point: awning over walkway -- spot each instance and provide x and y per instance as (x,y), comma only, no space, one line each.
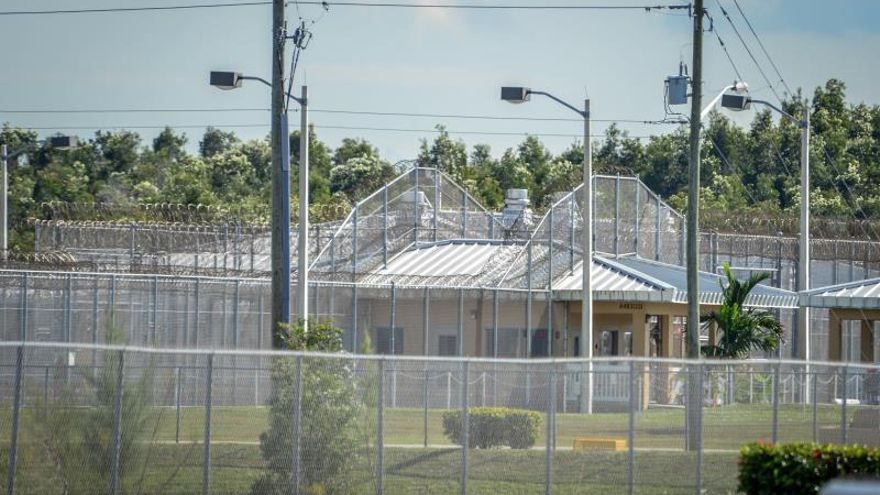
(645,280)
(861,294)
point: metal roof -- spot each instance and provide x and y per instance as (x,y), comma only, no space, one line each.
(612,282)
(861,294)
(481,264)
(710,285)
(449,264)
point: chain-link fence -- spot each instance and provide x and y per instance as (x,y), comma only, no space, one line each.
(86,419)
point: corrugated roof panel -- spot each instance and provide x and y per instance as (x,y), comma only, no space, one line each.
(861,294)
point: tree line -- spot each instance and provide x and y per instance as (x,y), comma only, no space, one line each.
(752,170)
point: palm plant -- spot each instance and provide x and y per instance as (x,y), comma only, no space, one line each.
(741,330)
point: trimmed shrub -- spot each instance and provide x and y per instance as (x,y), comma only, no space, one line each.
(494,427)
(802,467)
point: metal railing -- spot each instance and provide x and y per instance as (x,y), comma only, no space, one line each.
(76,418)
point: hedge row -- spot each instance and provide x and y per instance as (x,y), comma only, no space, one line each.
(802,467)
(494,427)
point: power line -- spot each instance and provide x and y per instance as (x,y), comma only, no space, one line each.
(761,44)
(134,9)
(748,50)
(330,111)
(317,126)
(646,8)
(727,53)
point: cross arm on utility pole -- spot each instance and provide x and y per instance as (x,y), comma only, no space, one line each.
(582,113)
(800,122)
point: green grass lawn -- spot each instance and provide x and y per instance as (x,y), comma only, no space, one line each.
(727,427)
(661,466)
(177,469)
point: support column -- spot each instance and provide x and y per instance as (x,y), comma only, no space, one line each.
(835,336)
(641,347)
(867,341)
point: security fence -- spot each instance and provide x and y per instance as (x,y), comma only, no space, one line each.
(85,419)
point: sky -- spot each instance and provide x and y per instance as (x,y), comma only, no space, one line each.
(423,60)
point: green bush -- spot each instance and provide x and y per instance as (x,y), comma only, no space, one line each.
(330,434)
(801,467)
(494,427)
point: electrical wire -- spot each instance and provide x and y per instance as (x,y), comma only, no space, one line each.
(761,44)
(727,53)
(748,50)
(646,8)
(318,126)
(330,111)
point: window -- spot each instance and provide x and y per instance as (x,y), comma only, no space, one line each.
(382,340)
(447,345)
(511,343)
(540,344)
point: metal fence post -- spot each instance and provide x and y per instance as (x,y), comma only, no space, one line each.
(117,425)
(465,427)
(461,322)
(16,410)
(551,430)
(617,216)
(417,201)
(843,426)
(571,234)
(297,426)
(630,441)
(392,317)
(775,398)
(24,307)
(815,404)
(206,460)
(177,399)
(658,228)
(636,229)
(196,314)
(425,413)
(235,331)
(426,320)
(436,201)
(155,309)
(699,431)
(380,433)
(385,226)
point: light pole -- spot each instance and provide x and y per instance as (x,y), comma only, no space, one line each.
(743,102)
(521,95)
(281,210)
(58,142)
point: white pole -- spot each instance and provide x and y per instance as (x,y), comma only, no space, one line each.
(586,339)
(302,290)
(804,244)
(4,193)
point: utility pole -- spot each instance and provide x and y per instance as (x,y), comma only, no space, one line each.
(280,203)
(804,244)
(693,226)
(302,255)
(694,402)
(4,200)
(586,339)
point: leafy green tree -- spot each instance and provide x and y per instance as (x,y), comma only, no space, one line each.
(215,141)
(359,175)
(445,154)
(741,329)
(330,410)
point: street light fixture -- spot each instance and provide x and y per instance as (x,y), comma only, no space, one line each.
(60,142)
(744,102)
(281,209)
(518,94)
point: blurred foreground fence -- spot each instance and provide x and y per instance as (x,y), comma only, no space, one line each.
(104,419)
